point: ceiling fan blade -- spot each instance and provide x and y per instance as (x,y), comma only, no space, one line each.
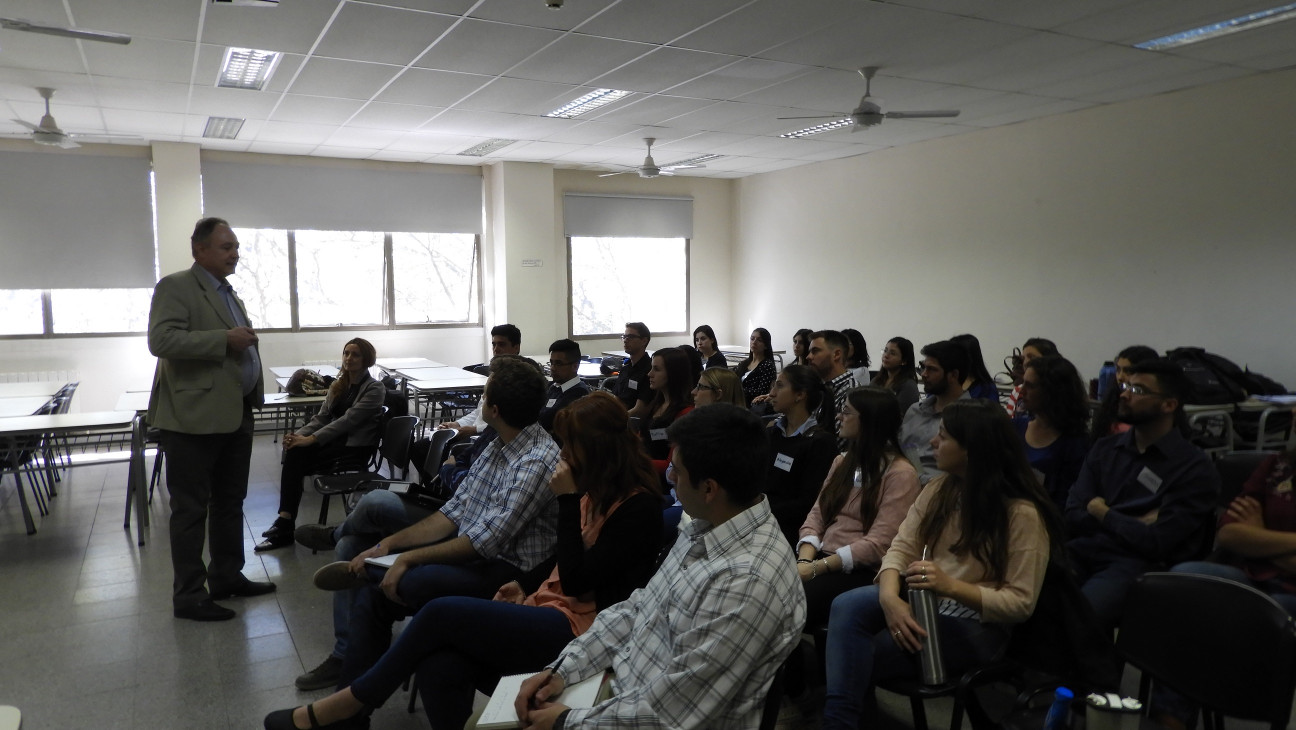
(823,116)
(664,171)
(680,167)
(610,174)
(90,136)
(933,114)
(67,144)
(28,125)
(85,35)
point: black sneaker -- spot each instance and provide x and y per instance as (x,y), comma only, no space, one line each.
(325,676)
(316,537)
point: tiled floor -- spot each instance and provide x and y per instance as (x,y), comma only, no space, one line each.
(87,638)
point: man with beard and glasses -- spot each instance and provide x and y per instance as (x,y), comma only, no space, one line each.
(943,368)
(1145,499)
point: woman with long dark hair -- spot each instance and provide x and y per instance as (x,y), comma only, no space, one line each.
(857,360)
(801,347)
(801,450)
(670,379)
(866,496)
(978,382)
(757,369)
(609,527)
(1033,348)
(899,372)
(1104,421)
(1056,430)
(704,340)
(987,529)
(344,430)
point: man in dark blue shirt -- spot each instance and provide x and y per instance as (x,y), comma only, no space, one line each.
(1145,499)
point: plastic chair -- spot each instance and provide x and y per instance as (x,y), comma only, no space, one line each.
(1234,468)
(1226,646)
(394,449)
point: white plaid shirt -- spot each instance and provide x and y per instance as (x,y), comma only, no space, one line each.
(504,506)
(699,645)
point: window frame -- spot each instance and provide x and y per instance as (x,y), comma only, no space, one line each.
(688,295)
(389,304)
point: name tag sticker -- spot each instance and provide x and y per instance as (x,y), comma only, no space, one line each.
(657,434)
(634,384)
(1284,488)
(551,403)
(1149,479)
(784,462)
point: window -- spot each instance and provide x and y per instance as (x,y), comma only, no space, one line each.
(89,311)
(340,278)
(261,279)
(23,312)
(435,277)
(618,280)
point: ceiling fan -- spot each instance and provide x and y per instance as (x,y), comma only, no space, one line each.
(48,132)
(78,33)
(869,113)
(649,169)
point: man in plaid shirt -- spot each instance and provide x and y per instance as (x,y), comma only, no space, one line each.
(699,645)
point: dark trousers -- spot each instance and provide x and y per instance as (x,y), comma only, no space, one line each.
(459,645)
(300,462)
(372,613)
(207,477)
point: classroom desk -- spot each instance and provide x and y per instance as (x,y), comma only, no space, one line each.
(426,373)
(446,380)
(28,390)
(23,406)
(13,431)
(400,363)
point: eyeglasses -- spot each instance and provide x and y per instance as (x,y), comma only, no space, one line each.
(704,386)
(631,337)
(558,363)
(1140,389)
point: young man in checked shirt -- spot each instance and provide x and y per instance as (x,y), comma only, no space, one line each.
(501,523)
(699,645)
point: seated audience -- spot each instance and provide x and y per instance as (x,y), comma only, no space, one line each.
(942,370)
(1056,431)
(828,358)
(506,339)
(1105,421)
(699,646)
(567,387)
(857,356)
(801,451)
(866,496)
(608,521)
(1257,548)
(1144,499)
(757,369)
(1034,347)
(499,526)
(345,430)
(718,385)
(990,529)
(977,381)
(899,374)
(631,384)
(669,382)
(801,347)
(704,340)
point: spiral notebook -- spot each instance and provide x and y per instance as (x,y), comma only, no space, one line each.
(500,715)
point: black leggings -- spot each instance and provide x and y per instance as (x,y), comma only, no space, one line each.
(301,461)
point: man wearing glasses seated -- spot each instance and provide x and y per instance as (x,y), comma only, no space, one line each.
(631,385)
(564,361)
(1145,499)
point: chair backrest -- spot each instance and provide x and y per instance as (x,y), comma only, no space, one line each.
(1226,646)
(436,450)
(1234,468)
(396,442)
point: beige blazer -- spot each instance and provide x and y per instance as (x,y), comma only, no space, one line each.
(198,386)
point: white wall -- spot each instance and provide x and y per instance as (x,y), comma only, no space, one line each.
(1165,221)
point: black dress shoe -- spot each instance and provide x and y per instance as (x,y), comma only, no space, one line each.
(281,526)
(275,541)
(204,611)
(282,720)
(242,590)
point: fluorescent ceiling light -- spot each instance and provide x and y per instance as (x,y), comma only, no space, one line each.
(247,68)
(816,129)
(222,127)
(588,102)
(487,147)
(1224,27)
(695,160)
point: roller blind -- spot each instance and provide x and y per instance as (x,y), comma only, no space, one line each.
(74,221)
(258,195)
(627,216)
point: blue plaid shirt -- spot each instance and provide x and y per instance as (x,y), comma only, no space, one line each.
(504,506)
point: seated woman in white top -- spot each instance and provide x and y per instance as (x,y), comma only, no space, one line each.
(704,340)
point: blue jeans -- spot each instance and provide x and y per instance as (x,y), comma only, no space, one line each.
(458,645)
(1171,702)
(862,652)
(373,614)
(377,515)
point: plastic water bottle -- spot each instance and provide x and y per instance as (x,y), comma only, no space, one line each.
(1106,379)
(1061,709)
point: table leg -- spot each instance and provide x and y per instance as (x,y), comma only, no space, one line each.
(138,482)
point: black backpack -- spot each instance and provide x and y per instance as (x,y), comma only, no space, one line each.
(1215,379)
